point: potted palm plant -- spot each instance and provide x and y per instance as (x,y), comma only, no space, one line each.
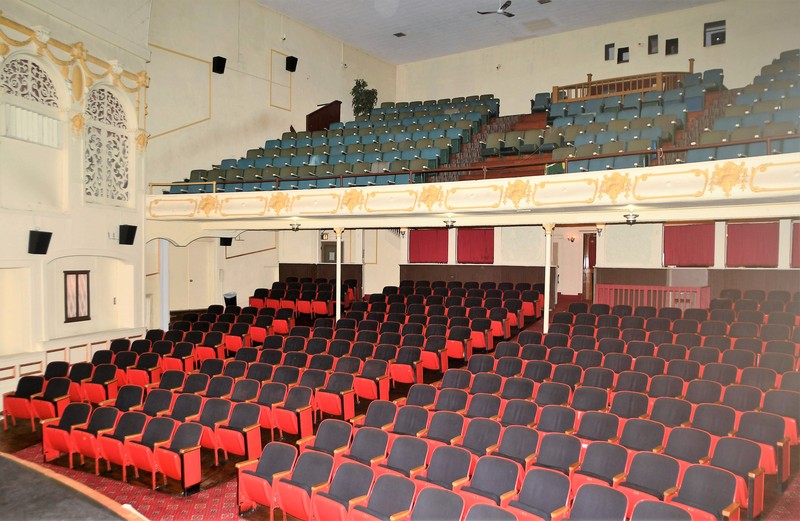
(364,99)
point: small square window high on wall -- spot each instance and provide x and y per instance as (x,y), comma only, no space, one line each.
(714,33)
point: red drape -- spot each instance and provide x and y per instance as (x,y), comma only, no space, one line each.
(428,245)
(752,245)
(796,245)
(689,245)
(475,246)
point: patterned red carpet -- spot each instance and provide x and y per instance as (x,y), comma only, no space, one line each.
(216,503)
(788,507)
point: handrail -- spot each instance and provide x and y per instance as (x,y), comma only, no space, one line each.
(659,156)
(658,296)
(638,83)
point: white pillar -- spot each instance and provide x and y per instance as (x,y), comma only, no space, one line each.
(163,282)
(548,247)
(338,231)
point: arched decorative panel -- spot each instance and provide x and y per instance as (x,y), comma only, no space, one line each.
(26,79)
(107,149)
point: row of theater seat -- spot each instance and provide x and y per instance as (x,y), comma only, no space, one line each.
(155,443)
(420,451)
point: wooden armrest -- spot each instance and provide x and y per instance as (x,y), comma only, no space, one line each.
(559,511)
(189,449)
(460,481)
(755,472)
(280,475)
(376,459)
(619,477)
(658,449)
(670,491)
(730,509)
(574,466)
(104,431)
(305,440)
(132,437)
(160,444)
(193,417)
(505,496)
(357,500)
(456,439)
(339,450)
(220,423)
(245,464)
(251,427)
(399,515)
(61,398)
(358,418)
(318,486)
(49,420)
(303,408)
(704,460)
(613,439)
(492,448)
(37,395)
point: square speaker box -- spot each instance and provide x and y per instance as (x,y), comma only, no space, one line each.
(226,241)
(291,63)
(38,242)
(218,65)
(127,233)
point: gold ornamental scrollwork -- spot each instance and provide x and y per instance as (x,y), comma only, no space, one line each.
(518,191)
(208,204)
(431,195)
(279,202)
(727,176)
(352,199)
(142,139)
(615,184)
(78,122)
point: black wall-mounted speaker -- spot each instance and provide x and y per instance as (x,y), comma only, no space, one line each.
(38,242)
(291,63)
(218,65)
(226,241)
(127,233)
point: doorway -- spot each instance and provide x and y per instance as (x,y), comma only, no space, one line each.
(589,259)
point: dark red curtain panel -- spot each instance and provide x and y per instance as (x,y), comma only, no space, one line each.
(475,246)
(752,245)
(689,245)
(796,245)
(428,245)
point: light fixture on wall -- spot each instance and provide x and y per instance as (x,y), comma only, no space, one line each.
(571,238)
(323,235)
(295,226)
(449,223)
(600,228)
(403,232)
(631,217)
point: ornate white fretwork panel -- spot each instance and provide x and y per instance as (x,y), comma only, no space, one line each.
(24,78)
(107,151)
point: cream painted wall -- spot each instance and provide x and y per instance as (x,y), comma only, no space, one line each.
(231,113)
(382,259)
(624,246)
(515,72)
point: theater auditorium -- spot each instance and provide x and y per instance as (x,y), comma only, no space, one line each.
(465,259)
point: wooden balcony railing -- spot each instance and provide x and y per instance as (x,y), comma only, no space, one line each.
(638,83)
(657,296)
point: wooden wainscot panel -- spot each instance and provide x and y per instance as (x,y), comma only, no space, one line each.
(34,367)
(78,353)
(8,373)
(59,354)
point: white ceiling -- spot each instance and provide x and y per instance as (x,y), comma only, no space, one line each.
(441,27)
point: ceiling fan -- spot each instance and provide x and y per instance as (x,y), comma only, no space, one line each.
(500,10)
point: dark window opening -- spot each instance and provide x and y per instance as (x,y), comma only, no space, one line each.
(671,46)
(609,51)
(623,55)
(652,44)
